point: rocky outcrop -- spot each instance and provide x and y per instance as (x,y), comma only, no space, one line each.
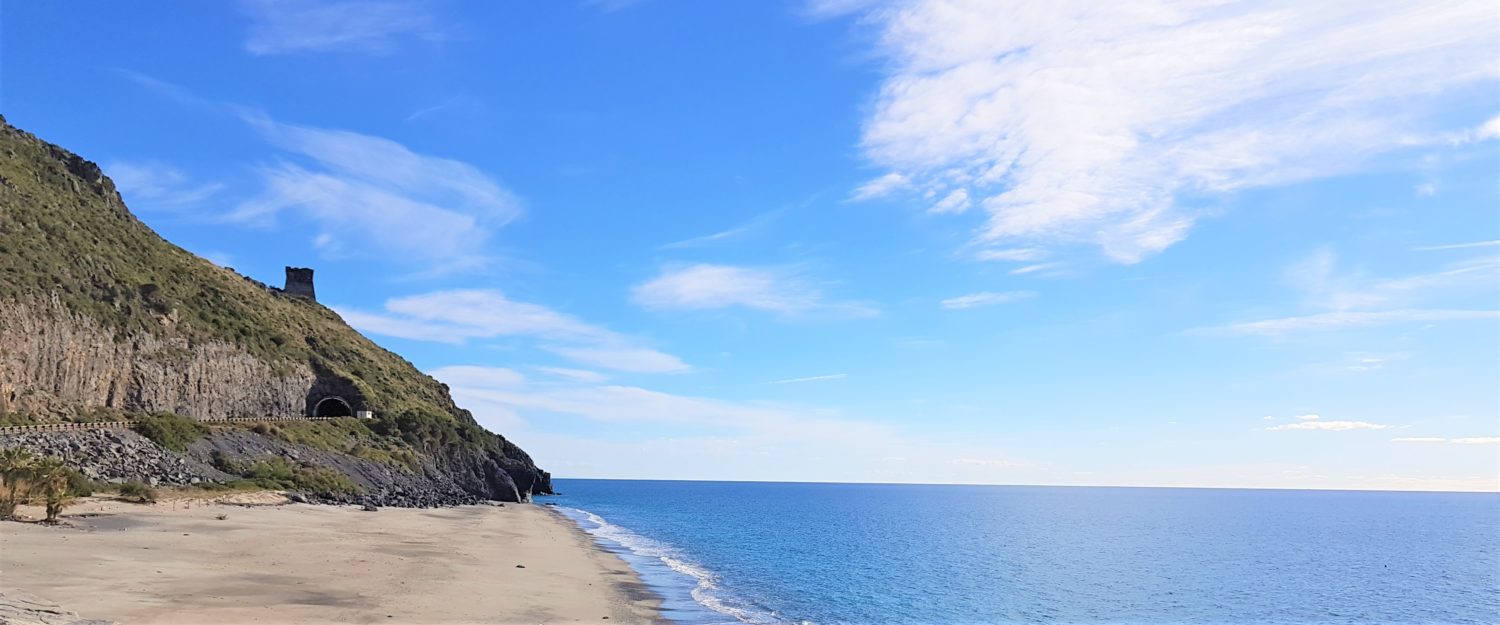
(19,608)
(115,456)
(54,361)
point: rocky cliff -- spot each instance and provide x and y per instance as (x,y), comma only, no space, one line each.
(54,362)
(98,314)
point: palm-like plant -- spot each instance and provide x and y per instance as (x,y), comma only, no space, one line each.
(50,477)
(16,478)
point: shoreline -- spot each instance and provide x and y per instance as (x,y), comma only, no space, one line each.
(248,558)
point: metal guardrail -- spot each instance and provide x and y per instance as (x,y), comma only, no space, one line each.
(124,425)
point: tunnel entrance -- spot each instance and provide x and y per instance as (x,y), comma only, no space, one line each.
(332,407)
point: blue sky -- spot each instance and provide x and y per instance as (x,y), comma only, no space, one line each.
(1187,244)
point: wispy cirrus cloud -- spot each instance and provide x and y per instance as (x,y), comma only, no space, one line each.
(623,358)
(370,27)
(704,287)
(985,298)
(580,375)
(1459,246)
(1015,254)
(749,226)
(1466,440)
(721,438)
(1329,426)
(472,375)
(362,192)
(154,185)
(1351,300)
(460,316)
(1355,319)
(369,192)
(812,378)
(1075,123)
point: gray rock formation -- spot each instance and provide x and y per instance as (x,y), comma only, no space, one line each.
(53,361)
(121,455)
(19,608)
(117,456)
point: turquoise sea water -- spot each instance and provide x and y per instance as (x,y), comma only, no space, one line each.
(735,552)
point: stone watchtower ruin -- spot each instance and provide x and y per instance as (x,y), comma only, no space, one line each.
(299,282)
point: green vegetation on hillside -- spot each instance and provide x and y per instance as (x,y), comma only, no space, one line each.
(345,436)
(175,432)
(277,473)
(66,234)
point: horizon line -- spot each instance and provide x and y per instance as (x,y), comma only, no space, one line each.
(1275,488)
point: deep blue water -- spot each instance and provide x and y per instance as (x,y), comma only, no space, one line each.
(729,552)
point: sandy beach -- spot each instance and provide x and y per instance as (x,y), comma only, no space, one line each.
(179,562)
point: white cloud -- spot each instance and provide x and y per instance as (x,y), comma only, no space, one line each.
(702,287)
(474,375)
(990,462)
(1490,129)
(880,187)
(1486,131)
(622,358)
(1082,122)
(154,185)
(294,26)
(1460,246)
(1307,417)
(222,259)
(1326,286)
(1469,440)
(1356,319)
(743,229)
(815,378)
(1330,426)
(483,313)
(461,315)
(1015,254)
(406,328)
(954,203)
(580,375)
(1476,440)
(369,193)
(1021,271)
(720,439)
(986,298)
(1354,300)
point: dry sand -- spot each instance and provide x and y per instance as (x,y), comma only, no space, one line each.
(177,562)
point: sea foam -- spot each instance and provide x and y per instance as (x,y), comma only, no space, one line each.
(705,585)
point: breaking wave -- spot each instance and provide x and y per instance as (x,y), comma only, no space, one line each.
(674,566)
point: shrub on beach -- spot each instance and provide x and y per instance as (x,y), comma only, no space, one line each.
(137,492)
(175,432)
(277,473)
(15,482)
(25,478)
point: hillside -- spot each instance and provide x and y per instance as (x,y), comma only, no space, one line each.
(101,317)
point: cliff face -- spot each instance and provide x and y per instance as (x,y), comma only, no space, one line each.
(54,362)
(99,312)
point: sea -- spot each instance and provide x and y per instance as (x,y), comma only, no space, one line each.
(828,554)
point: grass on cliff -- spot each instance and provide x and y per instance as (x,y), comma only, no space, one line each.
(346,436)
(175,432)
(277,473)
(65,233)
